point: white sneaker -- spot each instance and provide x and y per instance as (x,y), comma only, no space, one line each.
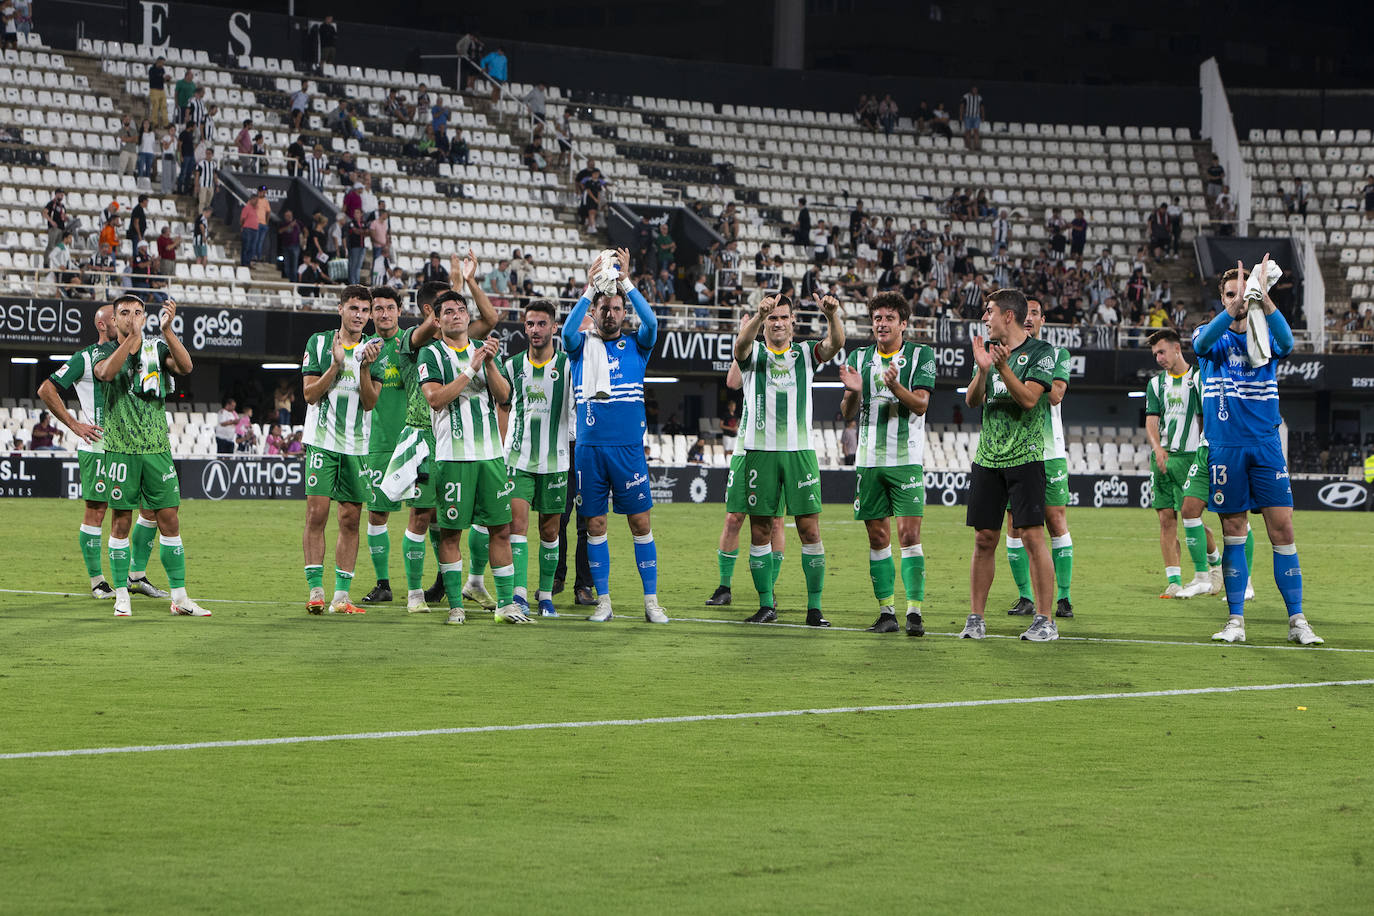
(974,628)
(1300,632)
(1234,631)
(474,591)
(1172,590)
(123,606)
(1201,585)
(188,608)
(415,604)
(655,614)
(603,610)
(456,615)
(511,614)
(1249,589)
(1218,582)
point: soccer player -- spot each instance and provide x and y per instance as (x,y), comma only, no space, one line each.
(339,393)
(138,449)
(78,374)
(1246,467)
(1009,466)
(608,374)
(537,449)
(1173,423)
(1056,491)
(779,473)
(888,386)
(727,549)
(463,385)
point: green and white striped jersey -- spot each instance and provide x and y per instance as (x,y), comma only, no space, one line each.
(1054,425)
(78,375)
(891,435)
(1177,401)
(777,398)
(337,421)
(466,429)
(541,404)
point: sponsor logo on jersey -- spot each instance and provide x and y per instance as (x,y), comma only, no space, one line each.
(1047,364)
(810,481)
(636,481)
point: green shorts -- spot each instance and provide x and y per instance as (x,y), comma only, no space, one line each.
(887,492)
(1195,484)
(547,494)
(343,478)
(1057,482)
(376,470)
(1169,485)
(472,492)
(147,481)
(771,484)
(92,465)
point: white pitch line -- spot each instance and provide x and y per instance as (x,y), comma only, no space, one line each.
(674,720)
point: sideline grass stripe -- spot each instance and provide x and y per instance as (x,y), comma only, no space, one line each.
(673,720)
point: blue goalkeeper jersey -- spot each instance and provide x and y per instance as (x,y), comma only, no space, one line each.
(619,419)
(1240,402)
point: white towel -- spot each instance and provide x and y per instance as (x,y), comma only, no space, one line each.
(404,466)
(596,369)
(1257,341)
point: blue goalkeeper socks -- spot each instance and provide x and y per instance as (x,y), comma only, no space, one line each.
(1234,573)
(1288,576)
(646,558)
(599,561)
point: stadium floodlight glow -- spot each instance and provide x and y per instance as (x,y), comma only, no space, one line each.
(24,360)
(961,391)
(1135,394)
(281,365)
(59,357)
(659,378)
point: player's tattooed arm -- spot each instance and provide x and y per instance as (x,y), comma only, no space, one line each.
(833,341)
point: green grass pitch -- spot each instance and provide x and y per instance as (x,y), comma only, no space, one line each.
(1214,803)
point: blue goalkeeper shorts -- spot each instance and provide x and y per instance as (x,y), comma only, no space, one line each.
(1245,477)
(615,473)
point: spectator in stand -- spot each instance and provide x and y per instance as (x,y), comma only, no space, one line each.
(109,233)
(316,167)
(347,169)
(9,28)
(379,233)
(1178,316)
(1158,316)
(1107,314)
(167,158)
(433,271)
(275,443)
(458,149)
(887,114)
(336,120)
(664,285)
(939,122)
(1368,192)
(128,145)
(1216,175)
(244,144)
(200,241)
(245,439)
(294,445)
(533,154)
(468,47)
(355,124)
(147,149)
(1162,293)
(141,267)
(138,223)
(366,197)
(207,179)
(728,223)
(353,198)
(866,112)
(922,118)
(336,245)
(537,100)
(591,200)
(290,234)
(55,215)
(357,245)
(1160,232)
(497,284)
(495,65)
(310,277)
(1176,224)
(1298,199)
(185,89)
(295,157)
(167,252)
(60,260)
(396,107)
(971,115)
(157,93)
(100,271)
(23,16)
(315,245)
(43,433)
(186,153)
(729,424)
(697,453)
(196,111)
(264,222)
(207,125)
(1078,234)
(329,36)
(248,230)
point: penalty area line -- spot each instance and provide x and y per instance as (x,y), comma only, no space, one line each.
(676,720)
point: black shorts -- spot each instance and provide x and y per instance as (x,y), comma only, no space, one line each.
(992,491)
